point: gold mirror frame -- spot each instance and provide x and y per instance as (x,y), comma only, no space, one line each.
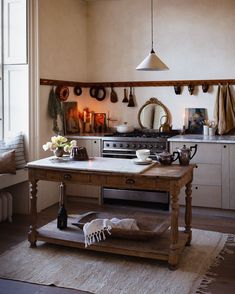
(157,102)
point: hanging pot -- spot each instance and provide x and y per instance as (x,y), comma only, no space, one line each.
(98,92)
(62,93)
(77,90)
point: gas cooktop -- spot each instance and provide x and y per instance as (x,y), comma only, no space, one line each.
(144,134)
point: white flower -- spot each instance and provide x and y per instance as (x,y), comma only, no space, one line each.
(47,146)
(59,141)
(67,148)
(53,146)
(73,143)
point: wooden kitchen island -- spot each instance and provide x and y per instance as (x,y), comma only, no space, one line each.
(116,173)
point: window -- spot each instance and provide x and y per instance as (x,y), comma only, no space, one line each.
(14,69)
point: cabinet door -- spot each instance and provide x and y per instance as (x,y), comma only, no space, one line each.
(207,179)
(203,196)
(232,176)
(206,152)
(207,174)
(15,31)
(93,147)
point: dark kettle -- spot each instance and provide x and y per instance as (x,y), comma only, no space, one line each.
(185,154)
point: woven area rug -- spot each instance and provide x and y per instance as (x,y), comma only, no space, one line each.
(107,273)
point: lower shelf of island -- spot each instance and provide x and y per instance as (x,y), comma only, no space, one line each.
(153,248)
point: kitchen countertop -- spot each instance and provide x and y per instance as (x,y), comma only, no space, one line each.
(227,139)
(89,135)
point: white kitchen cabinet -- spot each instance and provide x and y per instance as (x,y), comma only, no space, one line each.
(207,182)
(232,176)
(93,147)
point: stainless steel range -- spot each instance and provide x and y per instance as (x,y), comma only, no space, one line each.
(125,147)
(120,145)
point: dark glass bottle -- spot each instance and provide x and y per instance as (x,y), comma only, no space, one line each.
(62,218)
(62,213)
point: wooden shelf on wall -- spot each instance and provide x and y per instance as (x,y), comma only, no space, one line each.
(48,82)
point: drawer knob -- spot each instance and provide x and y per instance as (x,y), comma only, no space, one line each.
(67,177)
(196,188)
(130,181)
(225,146)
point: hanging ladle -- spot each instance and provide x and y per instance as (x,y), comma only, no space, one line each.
(125,99)
(131,102)
(113,95)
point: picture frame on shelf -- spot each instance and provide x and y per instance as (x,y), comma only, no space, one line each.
(99,122)
(70,117)
(194,120)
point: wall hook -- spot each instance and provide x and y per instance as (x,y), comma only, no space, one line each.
(205,88)
(177,89)
(191,89)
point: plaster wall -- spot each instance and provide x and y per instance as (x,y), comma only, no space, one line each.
(194,38)
(63,56)
(104,40)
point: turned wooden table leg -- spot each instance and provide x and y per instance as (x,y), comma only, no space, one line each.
(188,212)
(174,233)
(32,235)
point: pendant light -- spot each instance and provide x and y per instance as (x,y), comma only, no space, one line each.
(152,62)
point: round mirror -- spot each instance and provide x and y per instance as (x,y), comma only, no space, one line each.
(153,115)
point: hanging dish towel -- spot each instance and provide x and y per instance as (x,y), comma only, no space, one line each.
(219,111)
(229,110)
(54,109)
(95,230)
(224,112)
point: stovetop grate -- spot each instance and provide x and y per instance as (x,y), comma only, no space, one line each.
(144,134)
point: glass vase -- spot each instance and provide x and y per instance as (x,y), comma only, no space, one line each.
(59,152)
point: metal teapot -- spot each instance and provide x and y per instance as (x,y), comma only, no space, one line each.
(166,158)
(185,154)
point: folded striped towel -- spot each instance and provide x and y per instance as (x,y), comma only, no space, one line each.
(95,230)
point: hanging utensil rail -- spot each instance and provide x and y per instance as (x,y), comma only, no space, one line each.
(49,82)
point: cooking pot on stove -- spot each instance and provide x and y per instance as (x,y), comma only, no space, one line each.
(125,128)
(166,158)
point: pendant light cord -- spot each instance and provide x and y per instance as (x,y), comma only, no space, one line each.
(152,51)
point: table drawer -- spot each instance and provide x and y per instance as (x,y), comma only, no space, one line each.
(131,182)
(67,177)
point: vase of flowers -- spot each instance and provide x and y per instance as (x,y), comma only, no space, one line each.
(59,145)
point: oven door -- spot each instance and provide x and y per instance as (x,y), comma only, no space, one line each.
(137,198)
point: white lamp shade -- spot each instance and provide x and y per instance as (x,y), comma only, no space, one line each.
(152,62)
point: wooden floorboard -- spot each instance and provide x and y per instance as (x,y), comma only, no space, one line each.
(212,220)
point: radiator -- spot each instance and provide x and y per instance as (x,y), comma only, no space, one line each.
(5,206)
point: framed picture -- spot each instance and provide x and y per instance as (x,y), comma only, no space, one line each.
(99,122)
(194,120)
(71,118)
